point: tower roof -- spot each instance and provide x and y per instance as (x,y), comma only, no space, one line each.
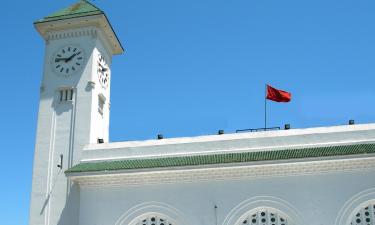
(72,17)
(80,9)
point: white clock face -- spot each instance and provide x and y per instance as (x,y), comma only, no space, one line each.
(68,60)
(103,71)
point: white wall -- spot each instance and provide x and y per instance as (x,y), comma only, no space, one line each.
(308,199)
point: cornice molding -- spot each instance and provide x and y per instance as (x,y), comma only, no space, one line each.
(199,174)
(89,31)
(99,21)
(71,33)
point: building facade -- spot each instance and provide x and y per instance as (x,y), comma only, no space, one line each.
(317,176)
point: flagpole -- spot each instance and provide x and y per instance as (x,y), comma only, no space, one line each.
(265,110)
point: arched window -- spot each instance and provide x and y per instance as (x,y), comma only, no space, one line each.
(264,216)
(153,219)
(365,215)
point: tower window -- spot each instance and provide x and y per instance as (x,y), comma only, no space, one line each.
(66,94)
(101,103)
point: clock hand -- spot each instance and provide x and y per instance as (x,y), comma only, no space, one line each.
(103,69)
(60,59)
(70,58)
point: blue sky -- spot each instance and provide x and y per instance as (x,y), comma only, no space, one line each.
(194,67)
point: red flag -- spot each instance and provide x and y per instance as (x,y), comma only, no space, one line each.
(276,95)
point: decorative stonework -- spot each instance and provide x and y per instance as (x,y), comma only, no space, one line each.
(152,213)
(365,215)
(264,216)
(359,210)
(89,31)
(264,210)
(142,177)
(153,219)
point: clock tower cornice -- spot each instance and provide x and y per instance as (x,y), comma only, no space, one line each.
(80,15)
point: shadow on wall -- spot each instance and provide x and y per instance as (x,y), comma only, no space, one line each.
(70,213)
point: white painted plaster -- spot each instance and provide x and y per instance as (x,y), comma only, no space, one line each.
(65,127)
(213,144)
(314,199)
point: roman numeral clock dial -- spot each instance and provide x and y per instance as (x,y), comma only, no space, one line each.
(68,60)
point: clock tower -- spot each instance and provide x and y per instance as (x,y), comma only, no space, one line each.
(74,105)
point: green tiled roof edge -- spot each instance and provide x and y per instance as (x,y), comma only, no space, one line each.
(224,158)
(81,9)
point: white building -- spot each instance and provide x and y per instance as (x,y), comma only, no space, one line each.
(318,176)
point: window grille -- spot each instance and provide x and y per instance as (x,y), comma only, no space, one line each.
(365,216)
(264,217)
(66,94)
(153,220)
(101,103)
